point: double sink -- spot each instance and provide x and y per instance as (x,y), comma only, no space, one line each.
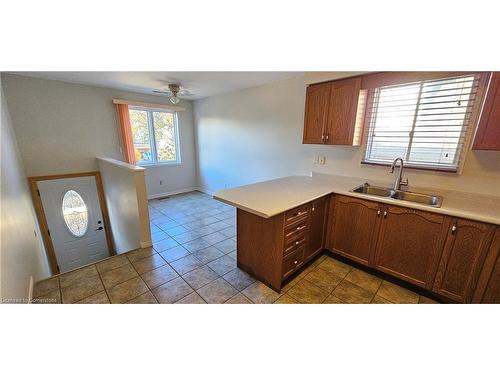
(407,196)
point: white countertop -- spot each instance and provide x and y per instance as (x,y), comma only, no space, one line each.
(273,197)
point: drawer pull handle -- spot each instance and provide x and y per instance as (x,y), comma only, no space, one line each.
(295,261)
(297,242)
(299,228)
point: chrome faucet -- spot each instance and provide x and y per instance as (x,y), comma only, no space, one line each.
(398,182)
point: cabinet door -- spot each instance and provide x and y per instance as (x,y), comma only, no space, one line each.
(316,112)
(488,130)
(462,259)
(319,210)
(410,244)
(343,105)
(488,286)
(353,228)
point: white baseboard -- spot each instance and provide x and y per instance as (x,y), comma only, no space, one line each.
(30,290)
(206,191)
(169,193)
(145,244)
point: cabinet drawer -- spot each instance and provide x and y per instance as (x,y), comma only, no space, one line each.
(295,231)
(294,245)
(296,214)
(292,262)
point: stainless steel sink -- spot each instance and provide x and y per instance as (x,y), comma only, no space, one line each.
(373,190)
(429,200)
(407,196)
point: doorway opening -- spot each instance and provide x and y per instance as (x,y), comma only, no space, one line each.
(73,218)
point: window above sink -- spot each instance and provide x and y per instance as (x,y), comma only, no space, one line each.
(427,123)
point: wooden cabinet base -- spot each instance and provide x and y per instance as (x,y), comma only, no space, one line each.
(273,249)
(488,286)
(260,247)
(456,258)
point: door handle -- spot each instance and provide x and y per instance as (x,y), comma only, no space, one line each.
(100,228)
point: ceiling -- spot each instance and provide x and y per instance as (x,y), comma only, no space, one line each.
(199,84)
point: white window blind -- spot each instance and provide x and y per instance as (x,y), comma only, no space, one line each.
(425,123)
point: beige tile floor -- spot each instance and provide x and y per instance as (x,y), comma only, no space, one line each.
(193,260)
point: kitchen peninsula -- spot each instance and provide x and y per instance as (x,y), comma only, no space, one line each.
(450,250)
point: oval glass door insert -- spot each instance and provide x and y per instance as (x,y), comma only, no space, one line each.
(75,213)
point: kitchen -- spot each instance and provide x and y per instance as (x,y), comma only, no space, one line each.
(298,187)
(445,242)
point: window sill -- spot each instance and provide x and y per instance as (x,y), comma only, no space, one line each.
(155,165)
(406,166)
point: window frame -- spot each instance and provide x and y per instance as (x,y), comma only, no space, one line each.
(152,137)
(483,78)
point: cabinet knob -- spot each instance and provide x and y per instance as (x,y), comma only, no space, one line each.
(453,229)
(378,212)
(295,261)
(296,242)
(385,213)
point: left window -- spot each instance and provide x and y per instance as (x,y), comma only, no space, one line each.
(155,136)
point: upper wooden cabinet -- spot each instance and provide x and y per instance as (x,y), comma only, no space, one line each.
(488,130)
(341,121)
(331,112)
(353,227)
(410,243)
(463,256)
(316,112)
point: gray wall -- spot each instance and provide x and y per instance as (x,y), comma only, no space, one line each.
(256,134)
(22,255)
(62,127)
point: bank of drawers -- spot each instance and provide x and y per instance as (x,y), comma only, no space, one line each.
(296,235)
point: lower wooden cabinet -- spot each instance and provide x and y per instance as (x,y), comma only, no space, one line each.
(456,258)
(275,248)
(353,227)
(463,256)
(488,286)
(317,227)
(410,243)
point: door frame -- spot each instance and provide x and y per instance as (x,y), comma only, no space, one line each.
(42,220)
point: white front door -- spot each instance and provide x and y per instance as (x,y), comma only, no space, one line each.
(75,221)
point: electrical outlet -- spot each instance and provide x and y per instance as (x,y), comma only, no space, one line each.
(322,160)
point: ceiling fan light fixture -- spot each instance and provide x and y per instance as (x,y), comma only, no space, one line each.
(174,100)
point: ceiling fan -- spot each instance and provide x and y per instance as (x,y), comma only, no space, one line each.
(174,90)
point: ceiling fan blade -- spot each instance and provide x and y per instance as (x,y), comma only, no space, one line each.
(162,92)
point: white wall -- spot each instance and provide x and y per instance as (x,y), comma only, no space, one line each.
(127,203)
(256,134)
(62,128)
(22,253)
